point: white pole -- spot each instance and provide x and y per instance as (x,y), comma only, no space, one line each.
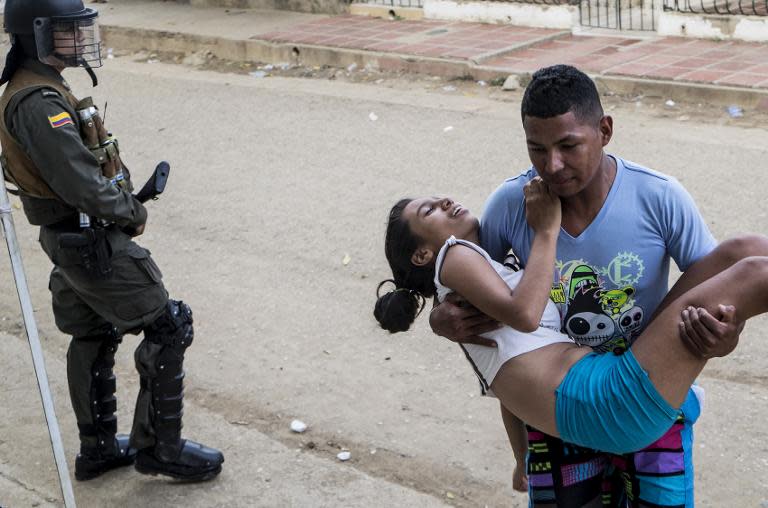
(34,345)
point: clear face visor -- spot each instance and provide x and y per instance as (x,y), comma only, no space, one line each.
(69,42)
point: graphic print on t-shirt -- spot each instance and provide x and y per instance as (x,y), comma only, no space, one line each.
(597,303)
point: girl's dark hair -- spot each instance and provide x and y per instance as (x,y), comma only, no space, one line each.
(397,309)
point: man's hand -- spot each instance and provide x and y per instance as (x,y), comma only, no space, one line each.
(520,478)
(707,336)
(458,321)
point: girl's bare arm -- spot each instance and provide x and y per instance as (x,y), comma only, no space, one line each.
(468,273)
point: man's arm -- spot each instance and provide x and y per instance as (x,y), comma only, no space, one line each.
(685,232)
(458,321)
(689,240)
(65,163)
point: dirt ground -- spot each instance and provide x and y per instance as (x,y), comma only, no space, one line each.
(272,229)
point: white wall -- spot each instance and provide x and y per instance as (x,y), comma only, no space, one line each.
(542,16)
(745,28)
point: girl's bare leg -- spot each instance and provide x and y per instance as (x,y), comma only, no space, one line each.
(660,351)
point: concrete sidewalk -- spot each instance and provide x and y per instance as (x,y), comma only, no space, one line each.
(259,471)
(677,68)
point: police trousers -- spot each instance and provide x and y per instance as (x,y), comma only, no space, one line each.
(87,307)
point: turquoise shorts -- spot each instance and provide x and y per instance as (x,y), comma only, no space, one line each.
(607,402)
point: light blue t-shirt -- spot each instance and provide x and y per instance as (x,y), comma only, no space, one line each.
(609,280)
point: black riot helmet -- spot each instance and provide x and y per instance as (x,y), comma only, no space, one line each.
(65,32)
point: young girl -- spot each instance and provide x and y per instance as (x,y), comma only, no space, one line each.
(538,373)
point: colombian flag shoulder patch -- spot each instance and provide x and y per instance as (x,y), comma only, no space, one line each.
(60,120)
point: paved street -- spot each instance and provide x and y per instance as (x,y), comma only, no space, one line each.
(276,183)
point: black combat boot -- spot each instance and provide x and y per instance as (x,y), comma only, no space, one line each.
(162,376)
(93,462)
(194,462)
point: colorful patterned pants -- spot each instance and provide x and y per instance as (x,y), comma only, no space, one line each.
(561,475)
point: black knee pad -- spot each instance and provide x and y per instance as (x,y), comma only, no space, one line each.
(173,328)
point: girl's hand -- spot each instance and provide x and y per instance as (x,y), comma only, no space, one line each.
(520,478)
(708,336)
(542,207)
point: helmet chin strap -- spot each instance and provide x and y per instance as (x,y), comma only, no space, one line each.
(92,74)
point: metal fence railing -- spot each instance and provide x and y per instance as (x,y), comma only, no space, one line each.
(618,14)
(613,14)
(722,7)
(543,2)
(627,14)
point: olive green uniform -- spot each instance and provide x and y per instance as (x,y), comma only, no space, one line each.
(95,311)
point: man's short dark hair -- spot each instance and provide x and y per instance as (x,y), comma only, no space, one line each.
(556,90)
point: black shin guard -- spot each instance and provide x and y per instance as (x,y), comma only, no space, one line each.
(160,361)
(103,390)
(174,331)
(98,431)
(101,449)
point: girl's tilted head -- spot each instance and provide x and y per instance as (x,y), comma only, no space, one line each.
(416,230)
(397,309)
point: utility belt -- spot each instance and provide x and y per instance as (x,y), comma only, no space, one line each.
(90,243)
(70,224)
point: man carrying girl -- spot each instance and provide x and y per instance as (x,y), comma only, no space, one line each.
(621,224)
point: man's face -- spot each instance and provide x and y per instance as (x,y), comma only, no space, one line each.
(566,152)
(68,39)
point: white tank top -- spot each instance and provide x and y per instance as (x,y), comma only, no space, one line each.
(487,361)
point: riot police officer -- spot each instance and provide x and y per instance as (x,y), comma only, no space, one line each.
(72,183)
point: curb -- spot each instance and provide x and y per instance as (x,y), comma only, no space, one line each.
(683,92)
(135,39)
(138,39)
(385,11)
